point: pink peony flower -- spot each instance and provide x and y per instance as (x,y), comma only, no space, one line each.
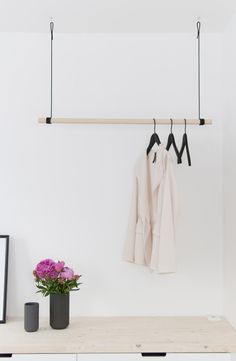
(46,269)
(59,266)
(53,277)
(67,274)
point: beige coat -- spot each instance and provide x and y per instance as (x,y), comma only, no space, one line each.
(151,232)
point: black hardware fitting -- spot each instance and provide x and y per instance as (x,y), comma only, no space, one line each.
(198,28)
(155,158)
(153,354)
(202,121)
(48,120)
(5,354)
(51,29)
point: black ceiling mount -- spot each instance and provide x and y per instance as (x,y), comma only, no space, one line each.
(201,120)
(49,119)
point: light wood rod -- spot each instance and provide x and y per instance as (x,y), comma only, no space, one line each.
(122,121)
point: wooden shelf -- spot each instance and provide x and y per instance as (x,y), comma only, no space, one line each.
(121,335)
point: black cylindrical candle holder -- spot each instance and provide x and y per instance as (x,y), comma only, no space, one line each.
(31,316)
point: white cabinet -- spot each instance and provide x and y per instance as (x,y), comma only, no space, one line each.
(168,357)
(111,357)
(198,357)
(121,357)
(42,357)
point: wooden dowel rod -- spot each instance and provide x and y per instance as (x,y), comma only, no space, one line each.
(121,121)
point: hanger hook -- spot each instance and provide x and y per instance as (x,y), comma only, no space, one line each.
(185,125)
(154,120)
(171,127)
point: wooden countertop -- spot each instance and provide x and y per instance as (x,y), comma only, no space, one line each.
(121,335)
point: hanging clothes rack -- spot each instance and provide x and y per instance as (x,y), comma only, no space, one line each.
(122,121)
(52,120)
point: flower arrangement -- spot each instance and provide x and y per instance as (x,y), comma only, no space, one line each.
(53,277)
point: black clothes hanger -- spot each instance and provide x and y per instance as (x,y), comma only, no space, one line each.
(171,141)
(153,140)
(185,145)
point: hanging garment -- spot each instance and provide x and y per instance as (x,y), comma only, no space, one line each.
(151,231)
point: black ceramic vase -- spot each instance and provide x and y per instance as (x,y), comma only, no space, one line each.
(59,310)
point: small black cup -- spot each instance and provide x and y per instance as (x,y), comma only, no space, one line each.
(31,316)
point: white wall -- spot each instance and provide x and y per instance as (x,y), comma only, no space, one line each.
(229,161)
(65,189)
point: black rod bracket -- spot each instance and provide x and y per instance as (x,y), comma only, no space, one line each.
(48,120)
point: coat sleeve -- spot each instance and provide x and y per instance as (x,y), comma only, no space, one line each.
(163,258)
(129,247)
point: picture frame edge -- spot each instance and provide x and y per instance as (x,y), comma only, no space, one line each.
(4,318)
